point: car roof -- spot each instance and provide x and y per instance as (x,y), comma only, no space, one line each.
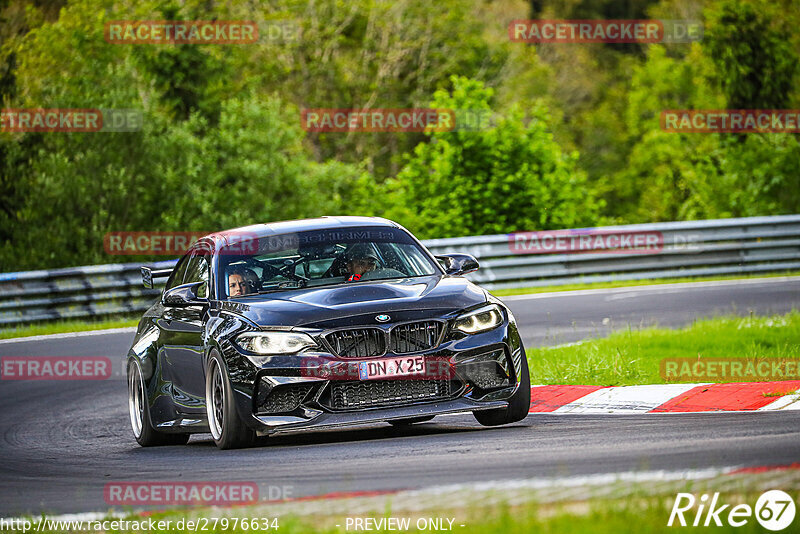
(233,235)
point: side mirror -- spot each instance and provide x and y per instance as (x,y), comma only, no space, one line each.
(184,295)
(148,275)
(458,264)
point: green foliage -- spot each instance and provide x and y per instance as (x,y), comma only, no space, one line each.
(187,78)
(680,176)
(380,54)
(667,175)
(755,59)
(512,176)
(251,167)
(577,140)
(762,174)
(182,176)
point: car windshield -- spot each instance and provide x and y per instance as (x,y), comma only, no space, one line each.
(320,258)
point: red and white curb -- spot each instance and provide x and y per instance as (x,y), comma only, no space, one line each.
(667,398)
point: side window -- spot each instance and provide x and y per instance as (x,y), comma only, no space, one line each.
(176,278)
(198,270)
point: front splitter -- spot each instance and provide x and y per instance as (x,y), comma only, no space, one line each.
(337,420)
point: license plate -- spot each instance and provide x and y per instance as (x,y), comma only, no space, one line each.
(391,367)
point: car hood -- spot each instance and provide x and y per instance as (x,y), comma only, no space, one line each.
(328,307)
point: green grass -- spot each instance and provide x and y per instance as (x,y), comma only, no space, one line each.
(777,393)
(59,327)
(633,356)
(600,517)
(633,283)
(616,506)
(597,516)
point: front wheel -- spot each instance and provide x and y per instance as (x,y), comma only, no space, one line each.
(142,426)
(518,405)
(227,428)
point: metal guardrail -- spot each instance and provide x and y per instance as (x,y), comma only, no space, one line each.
(75,292)
(690,248)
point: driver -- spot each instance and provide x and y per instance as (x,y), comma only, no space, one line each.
(238,285)
(360,259)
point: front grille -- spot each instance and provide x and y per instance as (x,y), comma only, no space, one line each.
(369,342)
(414,337)
(357,342)
(285,398)
(375,393)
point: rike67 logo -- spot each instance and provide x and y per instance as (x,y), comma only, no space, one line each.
(774,510)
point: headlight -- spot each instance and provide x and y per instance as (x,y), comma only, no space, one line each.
(479,320)
(274,342)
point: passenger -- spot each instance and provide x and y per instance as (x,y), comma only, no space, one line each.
(238,284)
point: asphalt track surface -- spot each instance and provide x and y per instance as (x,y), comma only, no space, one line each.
(61,442)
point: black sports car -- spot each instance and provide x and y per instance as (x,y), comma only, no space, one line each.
(319,323)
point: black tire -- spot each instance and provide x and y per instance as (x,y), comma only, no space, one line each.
(411,420)
(142,426)
(518,405)
(227,428)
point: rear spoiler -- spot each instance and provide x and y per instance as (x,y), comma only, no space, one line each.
(148,275)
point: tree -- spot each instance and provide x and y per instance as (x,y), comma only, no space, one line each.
(512,176)
(756,62)
(667,176)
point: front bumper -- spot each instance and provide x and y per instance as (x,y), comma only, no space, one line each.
(281,395)
(326,420)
